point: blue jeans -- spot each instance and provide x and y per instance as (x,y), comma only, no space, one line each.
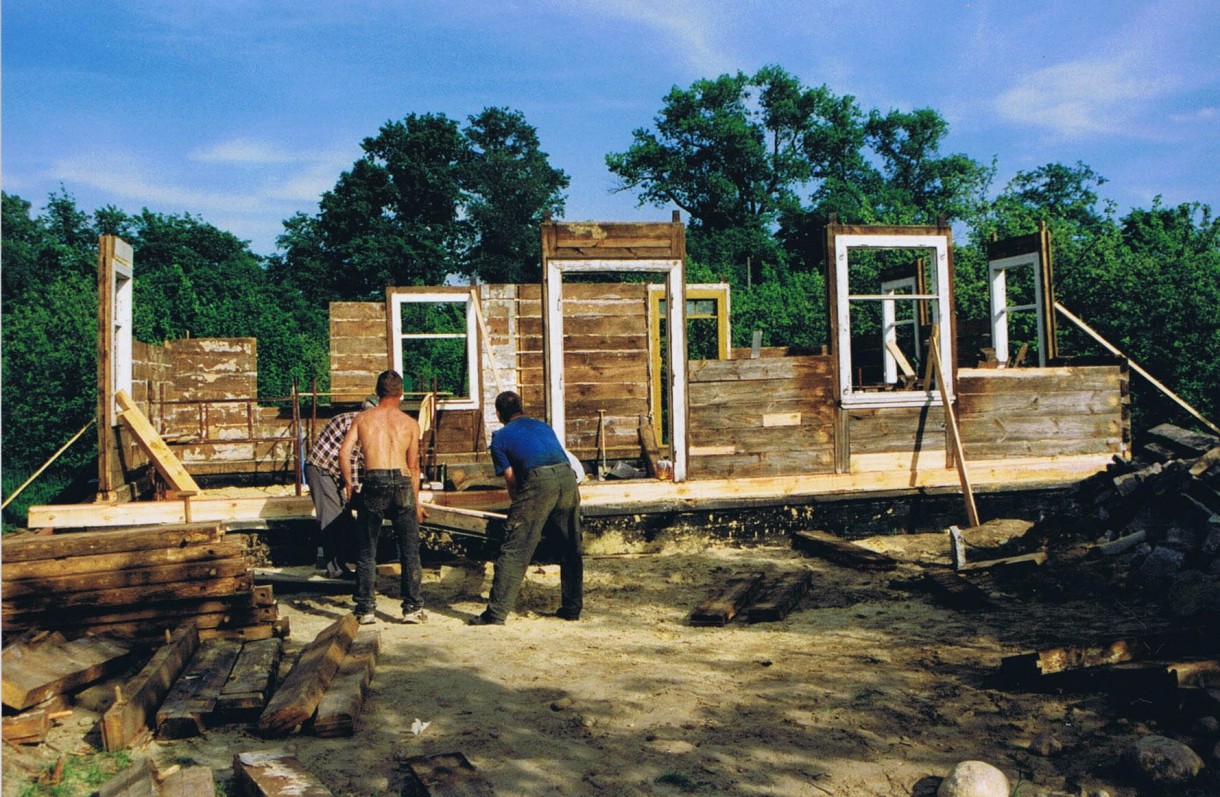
(546,499)
(387,493)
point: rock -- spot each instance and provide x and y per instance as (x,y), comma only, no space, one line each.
(1207,727)
(1181,538)
(1215,756)
(974,779)
(1211,543)
(561,704)
(1193,592)
(1164,761)
(1158,567)
(1045,744)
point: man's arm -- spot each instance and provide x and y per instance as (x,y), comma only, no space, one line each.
(345,458)
(510,481)
(413,467)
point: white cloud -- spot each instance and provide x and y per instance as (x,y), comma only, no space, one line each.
(244,151)
(1080,98)
(692,29)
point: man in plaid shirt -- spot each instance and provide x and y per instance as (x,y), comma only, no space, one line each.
(325,482)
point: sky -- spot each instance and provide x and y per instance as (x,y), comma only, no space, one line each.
(243,113)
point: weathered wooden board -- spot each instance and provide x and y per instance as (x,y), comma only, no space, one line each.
(143,779)
(778,596)
(55,666)
(728,600)
(297,698)
(136,708)
(771,463)
(340,707)
(70,582)
(80,565)
(276,774)
(828,546)
(30,547)
(785,368)
(196,691)
(1024,668)
(252,681)
(29,727)
(127,596)
(955,591)
(447,775)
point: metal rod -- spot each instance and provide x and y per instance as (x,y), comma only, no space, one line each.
(47,464)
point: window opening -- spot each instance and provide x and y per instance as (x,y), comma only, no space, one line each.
(708,335)
(435,341)
(1016,306)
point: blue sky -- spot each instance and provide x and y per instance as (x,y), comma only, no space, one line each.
(243,113)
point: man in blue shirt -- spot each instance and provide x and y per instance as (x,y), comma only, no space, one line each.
(542,486)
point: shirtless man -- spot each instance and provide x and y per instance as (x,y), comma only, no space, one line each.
(389,440)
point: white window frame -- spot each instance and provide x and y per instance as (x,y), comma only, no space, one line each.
(464,296)
(941,314)
(675,304)
(1000,309)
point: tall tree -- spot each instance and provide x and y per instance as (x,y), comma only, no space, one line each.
(509,186)
(427,201)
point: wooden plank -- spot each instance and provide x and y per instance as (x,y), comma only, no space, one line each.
(79,565)
(29,727)
(128,596)
(1024,668)
(446,775)
(138,780)
(464,521)
(297,699)
(721,607)
(167,464)
(187,782)
(196,691)
(835,549)
(759,465)
(1006,563)
(32,547)
(779,368)
(955,436)
(32,673)
(251,683)
(136,708)
(130,577)
(778,596)
(143,513)
(340,706)
(276,773)
(955,591)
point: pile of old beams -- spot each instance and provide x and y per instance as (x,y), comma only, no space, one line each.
(135,583)
(1159,519)
(325,689)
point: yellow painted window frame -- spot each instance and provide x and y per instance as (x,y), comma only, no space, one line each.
(715,291)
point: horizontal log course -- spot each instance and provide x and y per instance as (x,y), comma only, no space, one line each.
(30,547)
(129,577)
(89,564)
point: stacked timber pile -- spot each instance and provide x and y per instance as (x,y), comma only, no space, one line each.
(135,583)
(1159,519)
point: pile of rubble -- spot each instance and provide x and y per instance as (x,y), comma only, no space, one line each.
(1157,518)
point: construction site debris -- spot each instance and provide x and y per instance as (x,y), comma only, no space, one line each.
(446,775)
(340,706)
(728,600)
(295,702)
(836,549)
(134,711)
(276,774)
(46,664)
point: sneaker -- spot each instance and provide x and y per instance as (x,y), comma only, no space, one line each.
(333,570)
(415,618)
(484,619)
(367,619)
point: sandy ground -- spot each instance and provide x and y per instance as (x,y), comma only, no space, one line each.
(868,687)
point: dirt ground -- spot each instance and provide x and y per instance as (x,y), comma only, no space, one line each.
(868,687)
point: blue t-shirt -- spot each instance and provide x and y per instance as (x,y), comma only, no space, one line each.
(524,444)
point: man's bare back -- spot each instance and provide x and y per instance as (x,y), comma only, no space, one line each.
(388,438)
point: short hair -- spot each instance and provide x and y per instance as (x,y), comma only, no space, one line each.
(508,404)
(389,383)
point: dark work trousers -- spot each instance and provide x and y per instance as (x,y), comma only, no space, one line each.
(387,494)
(547,498)
(335,527)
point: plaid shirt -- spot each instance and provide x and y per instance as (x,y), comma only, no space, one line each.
(325,451)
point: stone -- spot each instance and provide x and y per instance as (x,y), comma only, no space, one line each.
(1045,744)
(1207,727)
(1164,761)
(1211,542)
(1193,592)
(974,779)
(1158,567)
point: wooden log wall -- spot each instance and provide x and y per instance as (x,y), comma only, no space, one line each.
(886,438)
(1044,412)
(772,416)
(133,583)
(358,348)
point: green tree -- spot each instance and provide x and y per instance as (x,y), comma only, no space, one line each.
(509,186)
